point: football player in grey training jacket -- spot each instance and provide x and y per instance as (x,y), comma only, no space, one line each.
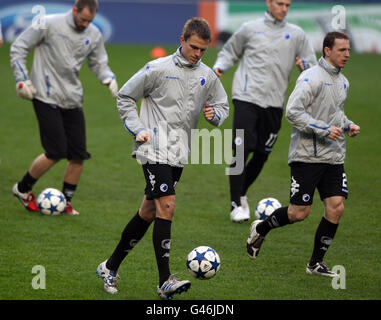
(267,49)
(317,151)
(174,91)
(62,43)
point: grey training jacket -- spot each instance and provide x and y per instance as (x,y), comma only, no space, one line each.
(174,93)
(316,103)
(267,49)
(59,53)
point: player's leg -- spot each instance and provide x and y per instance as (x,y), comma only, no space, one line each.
(53,141)
(245,120)
(333,191)
(133,232)
(268,128)
(162,180)
(304,178)
(75,130)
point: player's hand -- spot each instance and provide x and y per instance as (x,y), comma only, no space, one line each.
(112,85)
(208,112)
(218,72)
(25,90)
(335,133)
(143,137)
(301,64)
(354,130)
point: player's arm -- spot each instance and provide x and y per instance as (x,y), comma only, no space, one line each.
(135,88)
(305,56)
(97,61)
(25,43)
(301,97)
(231,52)
(216,110)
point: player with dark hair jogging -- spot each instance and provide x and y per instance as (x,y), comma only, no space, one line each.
(62,42)
(267,49)
(317,150)
(174,91)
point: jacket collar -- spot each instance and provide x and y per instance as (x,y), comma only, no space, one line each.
(329,67)
(181,62)
(272,22)
(70,20)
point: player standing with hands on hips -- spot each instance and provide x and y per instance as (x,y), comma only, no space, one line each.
(267,49)
(317,150)
(174,91)
(62,42)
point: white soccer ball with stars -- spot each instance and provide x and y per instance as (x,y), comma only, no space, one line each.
(51,202)
(266,207)
(203,262)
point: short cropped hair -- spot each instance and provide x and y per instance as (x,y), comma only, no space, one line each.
(329,39)
(91,4)
(198,26)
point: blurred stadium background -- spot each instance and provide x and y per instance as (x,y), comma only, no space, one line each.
(160,21)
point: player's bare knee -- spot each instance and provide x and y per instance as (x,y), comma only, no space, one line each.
(298,213)
(165,207)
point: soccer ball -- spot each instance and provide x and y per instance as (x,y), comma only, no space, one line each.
(265,207)
(203,262)
(51,202)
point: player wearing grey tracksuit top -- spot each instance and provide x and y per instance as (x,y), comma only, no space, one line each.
(61,43)
(60,52)
(174,93)
(267,49)
(316,103)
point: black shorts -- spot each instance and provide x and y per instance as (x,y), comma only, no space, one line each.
(330,180)
(62,131)
(161,179)
(260,125)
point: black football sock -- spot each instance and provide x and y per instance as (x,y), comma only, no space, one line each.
(323,238)
(252,170)
(68,190)
(162,242)
(27,183)
(131,235)
(278,218)
(236,183)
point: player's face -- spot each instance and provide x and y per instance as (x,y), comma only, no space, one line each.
(339,54)
(278,8)
(83,18)
(194,48)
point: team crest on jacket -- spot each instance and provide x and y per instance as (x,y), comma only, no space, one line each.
(202,81)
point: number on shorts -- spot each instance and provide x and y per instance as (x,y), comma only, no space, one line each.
(271,140)
(345,182)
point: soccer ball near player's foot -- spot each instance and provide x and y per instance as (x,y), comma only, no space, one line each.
(203,262)
(51,202)
(265,207)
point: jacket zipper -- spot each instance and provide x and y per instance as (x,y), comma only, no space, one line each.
(47,85)
(154,138)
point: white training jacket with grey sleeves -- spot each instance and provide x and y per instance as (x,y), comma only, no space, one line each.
(267,49)
(59,53)
(316,103)
(174,93)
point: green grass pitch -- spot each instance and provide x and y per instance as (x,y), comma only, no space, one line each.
(111,189)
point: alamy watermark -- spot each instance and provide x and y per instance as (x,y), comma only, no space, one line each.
(339,282)
(38,21)
(195,146)
(39,280)
(338,21)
